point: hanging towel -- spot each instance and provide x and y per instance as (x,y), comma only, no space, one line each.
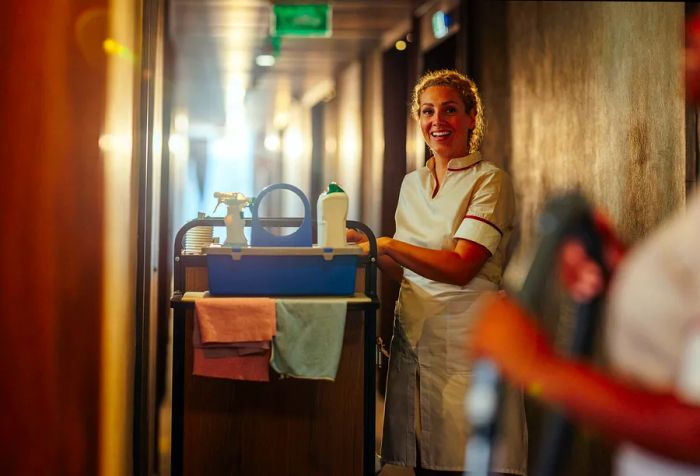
(231,338)
(309,338)
(231,320)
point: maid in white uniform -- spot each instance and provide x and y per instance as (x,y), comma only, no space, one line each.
(453,221)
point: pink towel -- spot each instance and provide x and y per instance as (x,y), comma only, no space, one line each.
(232,337)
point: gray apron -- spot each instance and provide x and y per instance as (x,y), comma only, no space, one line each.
(429,376)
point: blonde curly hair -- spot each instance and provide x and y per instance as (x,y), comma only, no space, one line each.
(465,87)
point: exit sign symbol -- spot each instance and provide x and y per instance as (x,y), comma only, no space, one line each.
(301,20)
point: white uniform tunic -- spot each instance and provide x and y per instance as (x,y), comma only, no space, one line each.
(429,368)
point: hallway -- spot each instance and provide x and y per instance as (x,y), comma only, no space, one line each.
(123,118)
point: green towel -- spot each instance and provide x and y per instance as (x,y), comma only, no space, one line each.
(309,338)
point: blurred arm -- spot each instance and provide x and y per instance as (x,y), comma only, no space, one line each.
(657,421)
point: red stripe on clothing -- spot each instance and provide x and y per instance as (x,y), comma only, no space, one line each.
(474,217)
(463,168)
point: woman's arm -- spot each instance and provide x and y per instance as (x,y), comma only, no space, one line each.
(390,268)
(453,267)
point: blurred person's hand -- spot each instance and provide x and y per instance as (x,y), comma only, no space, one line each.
(580,275)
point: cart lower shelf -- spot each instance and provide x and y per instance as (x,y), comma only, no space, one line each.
(282,427)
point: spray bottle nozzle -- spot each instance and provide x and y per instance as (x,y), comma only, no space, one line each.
(235,203)
(234,199)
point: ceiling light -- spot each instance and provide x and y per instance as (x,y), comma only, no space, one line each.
(177,144)
(400,45)
(265,60)
(272,142)
(281,120)
(182,122)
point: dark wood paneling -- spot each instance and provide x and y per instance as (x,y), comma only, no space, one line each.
(397,86)
(52,101)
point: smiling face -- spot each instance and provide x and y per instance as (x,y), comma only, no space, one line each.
(445,122)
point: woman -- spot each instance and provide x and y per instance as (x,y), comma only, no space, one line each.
(453,221)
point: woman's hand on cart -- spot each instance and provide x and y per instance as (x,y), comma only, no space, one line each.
(355,236)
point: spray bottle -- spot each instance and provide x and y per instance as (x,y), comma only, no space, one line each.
(235,203)
(331,213)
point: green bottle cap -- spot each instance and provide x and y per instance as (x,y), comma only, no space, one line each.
(334,187)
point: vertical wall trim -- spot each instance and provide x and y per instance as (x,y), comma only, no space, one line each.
(414,146)
(143,422)
(463,61)
(691,148)
(165,234)
(691,124)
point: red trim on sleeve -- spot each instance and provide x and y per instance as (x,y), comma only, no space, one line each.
(484,220)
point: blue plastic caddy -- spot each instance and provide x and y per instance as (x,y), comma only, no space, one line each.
(282,265)
(272,271)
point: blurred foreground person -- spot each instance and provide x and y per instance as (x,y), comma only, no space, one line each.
(650,401)
(653,334)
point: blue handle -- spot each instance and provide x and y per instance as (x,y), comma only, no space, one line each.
(259,236)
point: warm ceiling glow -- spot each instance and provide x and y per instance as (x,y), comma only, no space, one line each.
(115,143)
(281,120)
(331,145)
(177,144)
(400,45)
(293,144)
(235,92)
(235,107)
(265,60)
(272,142)
(182,122)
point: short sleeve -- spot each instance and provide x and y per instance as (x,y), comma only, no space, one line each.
(490,211)
(400,215)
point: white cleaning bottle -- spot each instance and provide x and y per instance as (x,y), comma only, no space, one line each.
(331,214)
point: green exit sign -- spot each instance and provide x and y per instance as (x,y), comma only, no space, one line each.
(301,20)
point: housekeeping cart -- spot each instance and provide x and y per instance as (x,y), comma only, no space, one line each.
(285,426)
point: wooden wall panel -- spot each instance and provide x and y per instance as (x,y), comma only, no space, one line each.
(51,108)
(597,103)
(585,95)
